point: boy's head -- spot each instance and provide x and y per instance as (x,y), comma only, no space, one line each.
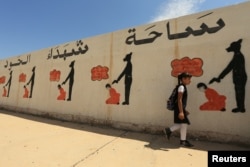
(185,78)
(184,75)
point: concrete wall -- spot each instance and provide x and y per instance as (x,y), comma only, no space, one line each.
(159,51)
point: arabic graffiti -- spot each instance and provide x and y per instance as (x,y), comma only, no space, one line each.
(189,30)
(99,72)
(216,102)
(153,35)
(19,62)
(237,66)
(192,66)
(127,72)
(132,39)
(66,54)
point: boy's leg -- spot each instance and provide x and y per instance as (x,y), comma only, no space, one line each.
(183,131)
(168,131)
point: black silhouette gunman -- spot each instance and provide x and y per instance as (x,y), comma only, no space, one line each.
(9,83)
(127,72)
(237,66)
(70,77)
(31,81)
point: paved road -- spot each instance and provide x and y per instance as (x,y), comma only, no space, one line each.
(29,141)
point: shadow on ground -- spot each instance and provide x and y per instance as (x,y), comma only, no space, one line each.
(155,142)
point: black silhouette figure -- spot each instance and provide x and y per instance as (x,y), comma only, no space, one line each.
(127,72)
(70,77)
(237,66)
(9,84)
(32,80)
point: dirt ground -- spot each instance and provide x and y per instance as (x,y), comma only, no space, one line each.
(30,141)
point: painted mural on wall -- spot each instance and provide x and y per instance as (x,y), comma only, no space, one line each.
(28,87)
(8,85)
(64,52)
(99,73)
(127,74)
(192,66)
(62,93)
(114,96)
(22,79)
(215,100)
(10,65)
(2,81)
(32,81)
(237,67)
(55,76)
(4,92)
(70,80)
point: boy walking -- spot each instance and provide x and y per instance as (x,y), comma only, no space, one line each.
(181,120)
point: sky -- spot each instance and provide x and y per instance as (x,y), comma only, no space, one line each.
(31,25)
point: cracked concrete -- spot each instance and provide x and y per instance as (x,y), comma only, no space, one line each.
(29,141)
(99,149)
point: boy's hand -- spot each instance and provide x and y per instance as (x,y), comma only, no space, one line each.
(181,116)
